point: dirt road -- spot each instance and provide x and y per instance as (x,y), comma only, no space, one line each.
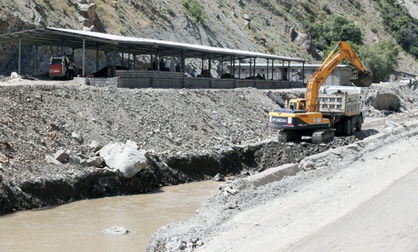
(368,206)
(358,197)
(387,222)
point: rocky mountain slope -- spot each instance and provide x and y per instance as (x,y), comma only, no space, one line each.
(259,25)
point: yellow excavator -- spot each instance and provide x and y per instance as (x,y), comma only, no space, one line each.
(302,116)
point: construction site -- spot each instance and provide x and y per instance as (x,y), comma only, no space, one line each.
(123,143)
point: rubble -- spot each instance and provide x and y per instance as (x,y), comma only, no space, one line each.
(62,156)
(218,177)
(77,136)
(125,158)
(116,230)
(215,139)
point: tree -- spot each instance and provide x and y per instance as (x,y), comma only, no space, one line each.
(341,28)
(338,28)
(381,59)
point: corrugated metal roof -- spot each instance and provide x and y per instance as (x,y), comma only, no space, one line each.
(107,42)
(279,65)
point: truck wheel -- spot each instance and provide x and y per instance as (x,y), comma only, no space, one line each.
(339,128)
(347,127)
(358,123)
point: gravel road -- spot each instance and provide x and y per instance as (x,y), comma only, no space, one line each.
(369,205)
(335,186)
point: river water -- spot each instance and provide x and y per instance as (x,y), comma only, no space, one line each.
(78,226)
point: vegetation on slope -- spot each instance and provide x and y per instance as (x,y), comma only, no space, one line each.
(402,26)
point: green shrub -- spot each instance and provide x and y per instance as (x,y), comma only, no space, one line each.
(401,25)
(381,59)
(338,28)
(195,10)
(171,12)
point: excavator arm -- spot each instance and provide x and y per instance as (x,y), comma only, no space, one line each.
(329,65)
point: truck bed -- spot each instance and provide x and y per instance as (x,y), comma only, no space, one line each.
(340,101)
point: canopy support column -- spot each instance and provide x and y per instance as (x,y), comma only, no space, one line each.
(288,71)
(222,66)
(303,72)
(272,69)
(233,69)
(152,62)
(114,61)
(183,69)
(239,68)
(283,76)
(19,61)
(255,67)
(251,69)
(84,57)
(36,61)
(267,69)
(210,64)
(97,59)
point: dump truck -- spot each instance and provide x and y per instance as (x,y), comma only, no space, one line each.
(343,107)
(319,115)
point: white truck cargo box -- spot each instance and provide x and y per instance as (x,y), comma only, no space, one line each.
(340,100)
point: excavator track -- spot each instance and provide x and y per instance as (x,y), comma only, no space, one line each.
(289,136)
(323,136)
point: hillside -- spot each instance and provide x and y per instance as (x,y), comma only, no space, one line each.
(261,25)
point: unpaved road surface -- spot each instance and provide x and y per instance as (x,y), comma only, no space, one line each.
(358,197)
(369,206)
(387,222)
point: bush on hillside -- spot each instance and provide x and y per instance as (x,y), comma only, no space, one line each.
(402,26)
(381,59)
(195,10)
(338,28)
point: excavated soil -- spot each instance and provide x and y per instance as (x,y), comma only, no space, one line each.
(190,135)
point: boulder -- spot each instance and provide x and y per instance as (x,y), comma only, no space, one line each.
(51,160)
(124,157)
(77,136)
(95,146)
(387,101)
(14,76)
(96,161)
(218,177)
(62,156)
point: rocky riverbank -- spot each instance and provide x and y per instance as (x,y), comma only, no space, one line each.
(183,135)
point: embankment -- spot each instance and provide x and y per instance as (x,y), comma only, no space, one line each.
(190,135)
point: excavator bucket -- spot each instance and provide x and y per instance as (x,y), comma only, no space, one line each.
(363,80)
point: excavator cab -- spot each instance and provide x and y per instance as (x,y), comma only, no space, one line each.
(297,104)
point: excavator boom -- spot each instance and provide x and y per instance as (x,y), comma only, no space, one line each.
(329,65)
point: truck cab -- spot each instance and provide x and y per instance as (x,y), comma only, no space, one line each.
(297,104)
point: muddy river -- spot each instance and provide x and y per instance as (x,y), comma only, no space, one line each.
(78,226)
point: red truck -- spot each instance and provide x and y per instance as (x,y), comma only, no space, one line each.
(62,67)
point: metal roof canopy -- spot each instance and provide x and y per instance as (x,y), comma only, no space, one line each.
(107,42)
